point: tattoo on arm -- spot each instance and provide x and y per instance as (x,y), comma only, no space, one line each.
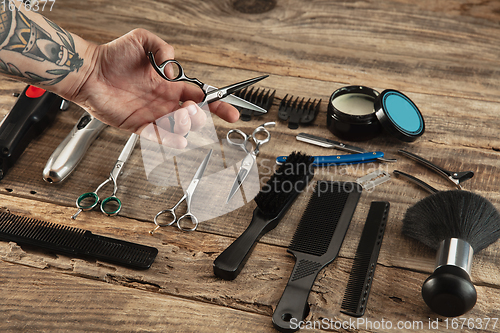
(25,37)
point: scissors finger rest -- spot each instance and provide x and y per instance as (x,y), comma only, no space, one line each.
(109,206)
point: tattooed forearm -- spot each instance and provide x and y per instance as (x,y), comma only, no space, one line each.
(33,53)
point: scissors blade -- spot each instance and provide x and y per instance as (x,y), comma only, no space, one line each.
(199,173)
(246,166)
(240,102)
(124,155)
(223,92)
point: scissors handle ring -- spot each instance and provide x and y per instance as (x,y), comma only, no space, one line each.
(85,196)
(172,213)
(245,138)
(194,222)
(180,73)
(107,201)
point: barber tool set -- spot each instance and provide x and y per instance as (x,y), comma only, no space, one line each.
(456,223)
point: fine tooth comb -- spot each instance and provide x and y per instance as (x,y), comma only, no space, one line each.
(263,98)
(316,243)
(365,261)
(272,201)
(298,112)
(74,241)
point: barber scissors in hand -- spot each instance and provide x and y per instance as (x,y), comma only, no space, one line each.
(249,160)
(212,94)
(111,205)
(188,196)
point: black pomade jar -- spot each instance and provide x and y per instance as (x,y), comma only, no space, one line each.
(351,115)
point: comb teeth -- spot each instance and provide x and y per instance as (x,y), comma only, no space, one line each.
(318,223)
(298,112)
(365,261)
(263,98)
(74,241)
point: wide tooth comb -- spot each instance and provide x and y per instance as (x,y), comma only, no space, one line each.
(74,241)
(365,261)
(298,112)
(260,97)
(316,243)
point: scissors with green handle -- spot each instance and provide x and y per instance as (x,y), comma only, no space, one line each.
(111,205)
(188,195)
(212,94)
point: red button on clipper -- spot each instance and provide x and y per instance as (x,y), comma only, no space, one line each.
(34,92)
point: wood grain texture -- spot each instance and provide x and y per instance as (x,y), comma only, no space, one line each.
(442,54)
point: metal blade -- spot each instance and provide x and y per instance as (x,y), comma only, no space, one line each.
(246,166)
(221,93)
(203,166)
(326,143)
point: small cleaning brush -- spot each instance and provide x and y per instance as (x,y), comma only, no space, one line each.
(458,224)
(273,201)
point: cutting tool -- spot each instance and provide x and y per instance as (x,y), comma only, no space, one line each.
(248,162)
(327,143)
(188,196)
(71,150)
(89,200)
(212,94)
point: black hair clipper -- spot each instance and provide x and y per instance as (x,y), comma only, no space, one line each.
(34,111)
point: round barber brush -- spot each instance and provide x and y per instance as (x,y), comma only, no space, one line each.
(457,224)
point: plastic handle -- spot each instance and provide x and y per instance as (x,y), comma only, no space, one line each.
(71,150)
(230,262)
(293,306)
(341,159)
(449,291)
(28,118)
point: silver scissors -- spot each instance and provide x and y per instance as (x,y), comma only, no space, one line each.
(188,196)
(249,160)
(111,205)
(212,94)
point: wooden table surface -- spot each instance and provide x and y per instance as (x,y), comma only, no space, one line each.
(444,55)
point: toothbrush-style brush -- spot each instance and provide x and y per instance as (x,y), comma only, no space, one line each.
(272,201)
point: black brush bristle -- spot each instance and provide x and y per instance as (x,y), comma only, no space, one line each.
(284,183)
(453,214)
(319,221)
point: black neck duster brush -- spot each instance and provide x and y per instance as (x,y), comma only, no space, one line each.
(273,201)
(458,224)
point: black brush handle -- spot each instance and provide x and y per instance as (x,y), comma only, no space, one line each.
(230,262)
(293,306)
(449,291)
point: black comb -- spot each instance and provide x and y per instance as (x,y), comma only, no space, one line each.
(316,243)
(263,98)
(273,201)
(298,112)
(365,261)
(74,241)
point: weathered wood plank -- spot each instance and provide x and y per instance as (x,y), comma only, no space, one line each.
(183,269)
(41,301)
(427,48)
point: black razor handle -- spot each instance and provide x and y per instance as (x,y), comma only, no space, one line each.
(35,110)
